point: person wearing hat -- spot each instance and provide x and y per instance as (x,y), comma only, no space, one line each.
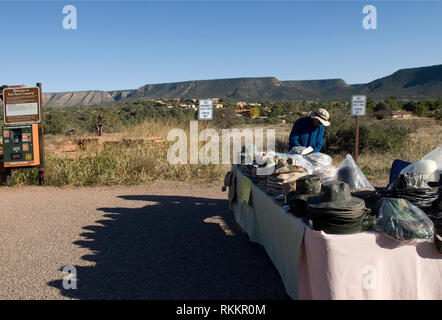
(309,131)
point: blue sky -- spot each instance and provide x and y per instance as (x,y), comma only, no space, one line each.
(124,45)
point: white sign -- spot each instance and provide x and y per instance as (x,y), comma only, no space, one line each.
(358,104)
(22,109)
(205,110)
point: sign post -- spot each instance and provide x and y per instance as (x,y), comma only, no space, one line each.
(23,144)
(205,111)
(358,104)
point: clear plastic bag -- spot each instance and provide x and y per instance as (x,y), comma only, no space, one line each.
(401,220)
(301,161)
(325,173)
(436,156)
(297,150)
(422,167)
(350,173)
(319,159)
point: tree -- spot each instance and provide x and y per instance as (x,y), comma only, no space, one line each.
(370,105)
(54,124)
(410,106)
(380,106)
(421,109)
(392,103)
(254,112)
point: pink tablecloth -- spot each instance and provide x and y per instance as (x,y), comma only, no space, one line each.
(367,265)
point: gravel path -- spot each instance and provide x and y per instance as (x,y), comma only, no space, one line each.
(164,241)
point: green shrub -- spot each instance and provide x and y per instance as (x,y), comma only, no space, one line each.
(379,136)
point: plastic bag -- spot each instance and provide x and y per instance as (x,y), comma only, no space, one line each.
(401,220)
(325,173)
(422,167)
(436,156)
(297,150)
(350,173)
(319,159)
(301,161)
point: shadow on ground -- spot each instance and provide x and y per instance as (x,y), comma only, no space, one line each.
(172,248)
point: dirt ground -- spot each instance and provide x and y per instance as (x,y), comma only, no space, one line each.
(163,241)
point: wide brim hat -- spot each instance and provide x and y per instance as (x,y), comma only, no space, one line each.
(322,115)
(307,187)
(305,197)
(336,195)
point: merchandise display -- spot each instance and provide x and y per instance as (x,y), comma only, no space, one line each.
(336,211)
(412,187)
(306,187)
(423,167)
(401,220)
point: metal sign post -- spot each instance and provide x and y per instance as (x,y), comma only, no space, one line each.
(358,104)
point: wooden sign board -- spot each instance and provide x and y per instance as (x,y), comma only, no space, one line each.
(21,105)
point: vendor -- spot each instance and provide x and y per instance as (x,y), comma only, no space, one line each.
(309,131)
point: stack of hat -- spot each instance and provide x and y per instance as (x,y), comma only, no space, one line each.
(435,214)
(246,170)
(284,172)
(306,187)
(335,211)
(246,157)
(264,165)
(411,186)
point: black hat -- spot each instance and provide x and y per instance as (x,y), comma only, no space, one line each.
(335,195)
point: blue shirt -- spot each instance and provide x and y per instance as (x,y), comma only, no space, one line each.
(304,134)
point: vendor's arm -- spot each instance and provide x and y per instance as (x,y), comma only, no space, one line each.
(319,139)
(294,138)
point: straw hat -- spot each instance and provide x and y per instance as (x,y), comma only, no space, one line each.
(322,115)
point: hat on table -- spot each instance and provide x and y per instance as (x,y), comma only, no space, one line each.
(307,187)
(322,115)
(335,195)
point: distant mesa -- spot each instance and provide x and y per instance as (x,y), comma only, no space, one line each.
(413,83)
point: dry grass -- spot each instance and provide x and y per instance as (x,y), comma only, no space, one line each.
(118,163)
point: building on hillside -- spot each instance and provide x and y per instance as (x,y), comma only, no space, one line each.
(218,106)
(215,100)
(254,104)
(242,112)
(241,104)
(392,113)
(160,103)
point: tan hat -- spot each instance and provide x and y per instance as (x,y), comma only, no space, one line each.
(322,115)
